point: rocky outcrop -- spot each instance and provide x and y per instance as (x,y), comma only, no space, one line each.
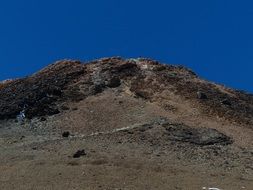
(198,136)
(38,93)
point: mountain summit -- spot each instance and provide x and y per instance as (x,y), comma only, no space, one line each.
(66,81)
(147,124)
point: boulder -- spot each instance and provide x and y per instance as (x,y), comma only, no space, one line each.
(113,82)
(201,95)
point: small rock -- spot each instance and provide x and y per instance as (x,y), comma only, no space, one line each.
(113,82)
(226,102)
(201,95)
(226,162)
(79,153)
(64,107)
(159,68)
(43,119)
(65,134)
(96,89)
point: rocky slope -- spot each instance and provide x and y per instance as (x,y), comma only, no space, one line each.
(147,79)
(121,116)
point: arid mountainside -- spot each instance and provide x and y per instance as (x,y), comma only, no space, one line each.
(147,79)
(118,123)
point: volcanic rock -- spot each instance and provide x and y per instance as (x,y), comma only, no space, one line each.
(198,136)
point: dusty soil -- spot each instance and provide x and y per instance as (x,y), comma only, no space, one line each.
(127,124)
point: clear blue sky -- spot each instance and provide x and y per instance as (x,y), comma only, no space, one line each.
(212,37)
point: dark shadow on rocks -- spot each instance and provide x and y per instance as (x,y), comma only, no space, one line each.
(198,136)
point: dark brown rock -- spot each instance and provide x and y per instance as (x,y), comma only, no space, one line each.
(201,95)
(65,134)
(226,102)
(113,82)
(79,153)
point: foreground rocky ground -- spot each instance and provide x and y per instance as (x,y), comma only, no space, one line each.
(124,124)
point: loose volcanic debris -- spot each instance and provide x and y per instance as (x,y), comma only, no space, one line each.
(65,81)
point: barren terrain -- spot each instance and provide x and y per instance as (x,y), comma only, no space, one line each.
(124,124)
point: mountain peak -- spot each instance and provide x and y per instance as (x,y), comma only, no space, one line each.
(124,117)
(72,80)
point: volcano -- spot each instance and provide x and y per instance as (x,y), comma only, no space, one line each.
(117,123)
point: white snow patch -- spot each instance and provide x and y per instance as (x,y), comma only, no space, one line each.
(210,188)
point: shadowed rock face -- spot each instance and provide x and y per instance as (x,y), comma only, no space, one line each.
(39,92)
(163,130)
(67,81)
(198,136)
